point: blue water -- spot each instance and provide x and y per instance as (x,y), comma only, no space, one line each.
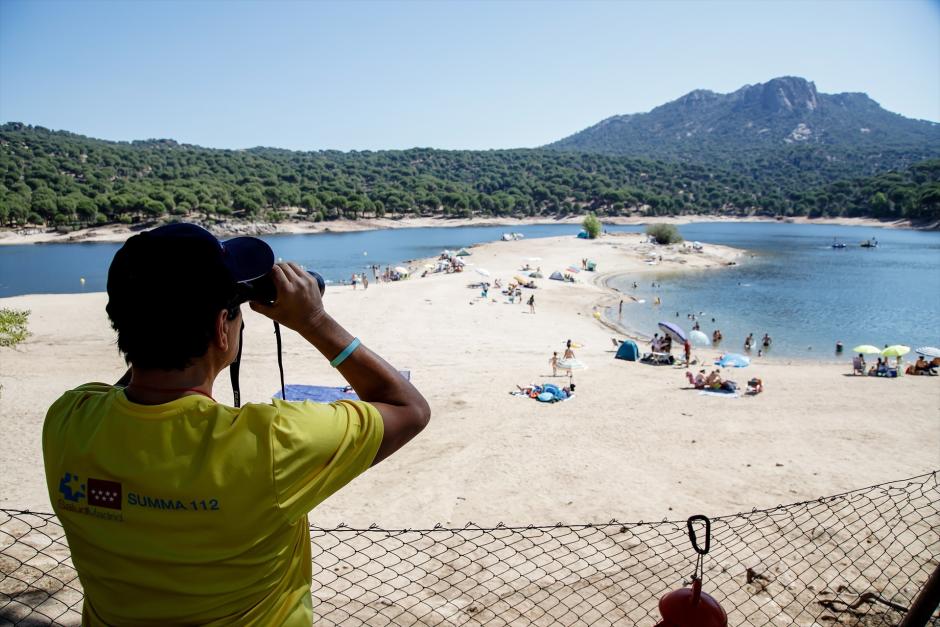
(59,268)
(795,286)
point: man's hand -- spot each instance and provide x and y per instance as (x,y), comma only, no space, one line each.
(298,305)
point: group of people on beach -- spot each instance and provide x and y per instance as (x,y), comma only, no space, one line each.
(360,279)
(882,368)
(711,381)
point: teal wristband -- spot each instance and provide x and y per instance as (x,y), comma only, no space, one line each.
(346,352)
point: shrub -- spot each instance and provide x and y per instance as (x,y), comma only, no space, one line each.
(591,225)
(13,326)
(664,233)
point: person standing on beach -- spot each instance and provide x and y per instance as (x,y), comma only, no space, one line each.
(532,303)
(620,309)
(554,363)
(687,348)
(179,509)
(569,354)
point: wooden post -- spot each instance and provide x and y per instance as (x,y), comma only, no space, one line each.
(925,604)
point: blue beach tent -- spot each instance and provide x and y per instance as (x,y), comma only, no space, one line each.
(583,235)
(628,351)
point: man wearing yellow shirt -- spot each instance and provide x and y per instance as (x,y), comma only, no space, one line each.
(181,510)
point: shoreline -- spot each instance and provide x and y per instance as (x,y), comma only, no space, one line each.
(114,233)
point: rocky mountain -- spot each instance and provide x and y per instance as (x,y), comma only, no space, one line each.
(772,121)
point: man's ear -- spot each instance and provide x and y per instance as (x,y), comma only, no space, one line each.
(220,337)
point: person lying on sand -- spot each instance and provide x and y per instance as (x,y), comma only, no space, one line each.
(698,381)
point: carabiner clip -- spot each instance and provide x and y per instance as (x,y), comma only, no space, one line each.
(708,533)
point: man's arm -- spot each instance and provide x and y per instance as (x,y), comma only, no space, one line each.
(404,410)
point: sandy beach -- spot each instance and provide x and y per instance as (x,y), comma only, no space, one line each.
(634,443)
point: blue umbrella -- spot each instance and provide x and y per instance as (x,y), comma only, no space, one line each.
(674,330)
(733,360)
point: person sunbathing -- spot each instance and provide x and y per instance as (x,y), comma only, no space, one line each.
(713,380)
(698,381)
(919,367)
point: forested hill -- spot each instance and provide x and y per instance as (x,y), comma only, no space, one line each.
(773,122)
(67,180)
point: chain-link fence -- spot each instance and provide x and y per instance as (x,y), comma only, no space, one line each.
(857,558)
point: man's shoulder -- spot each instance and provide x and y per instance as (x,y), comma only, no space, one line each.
(82,392)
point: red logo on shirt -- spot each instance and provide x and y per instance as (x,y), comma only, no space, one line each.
(103,493)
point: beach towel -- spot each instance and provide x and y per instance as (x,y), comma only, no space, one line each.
(318,393)
(719,394)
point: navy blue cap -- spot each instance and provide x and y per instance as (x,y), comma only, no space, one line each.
(247,258)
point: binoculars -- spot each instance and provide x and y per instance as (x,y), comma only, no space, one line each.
(262,289)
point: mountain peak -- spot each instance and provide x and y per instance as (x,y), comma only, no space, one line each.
(767,116)
(785,93)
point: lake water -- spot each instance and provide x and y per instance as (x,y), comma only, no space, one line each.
(805,294)
(795,287)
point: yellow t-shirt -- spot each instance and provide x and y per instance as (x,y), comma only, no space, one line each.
(195,513)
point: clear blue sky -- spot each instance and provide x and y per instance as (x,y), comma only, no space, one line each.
(373,75)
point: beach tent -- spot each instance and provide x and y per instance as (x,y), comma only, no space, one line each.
(628,351)
(583,235)
(463,253)
(557,276)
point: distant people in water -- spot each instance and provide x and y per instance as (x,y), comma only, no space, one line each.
(838,347)
(766,341)
(716,336)
(749,342)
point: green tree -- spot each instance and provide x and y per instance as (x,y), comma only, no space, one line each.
(591,225)
(664,233)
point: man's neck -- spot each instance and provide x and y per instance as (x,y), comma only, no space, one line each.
(155,387)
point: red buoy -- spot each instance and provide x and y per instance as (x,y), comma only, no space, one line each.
(690,607)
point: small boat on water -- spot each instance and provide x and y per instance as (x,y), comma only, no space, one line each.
(509,237)
(837,244)
(870,243)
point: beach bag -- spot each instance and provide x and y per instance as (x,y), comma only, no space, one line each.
(546,397)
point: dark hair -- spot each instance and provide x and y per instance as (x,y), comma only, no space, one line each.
(164,295)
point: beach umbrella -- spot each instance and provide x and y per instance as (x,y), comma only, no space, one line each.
(929,351)
(537,275)
(674,330)
(463,252)
(733,360)
(866,349)
(896,351)
(699,339)
(482,271)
